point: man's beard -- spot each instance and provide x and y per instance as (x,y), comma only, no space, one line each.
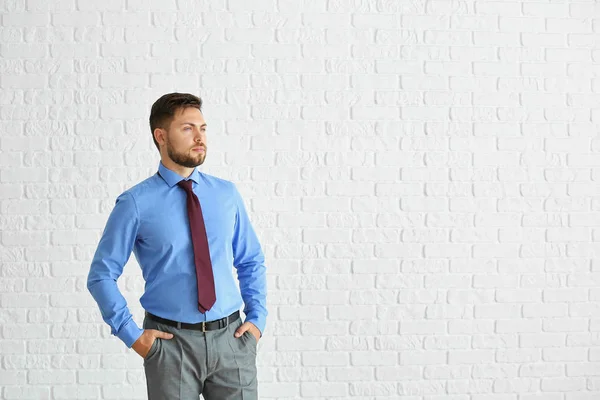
(183,159)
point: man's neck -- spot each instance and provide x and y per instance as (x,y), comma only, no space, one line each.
(180,170)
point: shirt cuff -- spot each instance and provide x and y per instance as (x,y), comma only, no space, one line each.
(129,333)
(259,322)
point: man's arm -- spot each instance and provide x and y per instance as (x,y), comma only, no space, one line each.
(112,254)
(249,261)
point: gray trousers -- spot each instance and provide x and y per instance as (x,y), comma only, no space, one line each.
(214,364)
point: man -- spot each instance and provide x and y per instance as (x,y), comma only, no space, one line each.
(187,230)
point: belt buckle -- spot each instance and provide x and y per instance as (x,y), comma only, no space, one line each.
(203,326)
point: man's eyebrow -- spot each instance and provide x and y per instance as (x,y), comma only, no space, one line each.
(191,123)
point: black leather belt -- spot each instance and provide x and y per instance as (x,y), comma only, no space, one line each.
(200,326)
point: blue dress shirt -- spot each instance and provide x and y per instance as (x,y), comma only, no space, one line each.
(151,220)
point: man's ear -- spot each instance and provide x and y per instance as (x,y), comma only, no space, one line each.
(159,135)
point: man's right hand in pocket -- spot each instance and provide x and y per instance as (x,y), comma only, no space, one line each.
(144,343)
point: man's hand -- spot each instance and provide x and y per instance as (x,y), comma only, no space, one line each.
(248,326)
(144,343)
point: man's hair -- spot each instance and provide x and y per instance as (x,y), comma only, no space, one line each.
(164,109)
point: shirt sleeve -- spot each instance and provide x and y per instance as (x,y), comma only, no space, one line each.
(249,261)
(112,253)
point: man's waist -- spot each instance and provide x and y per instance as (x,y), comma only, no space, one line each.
(198,326)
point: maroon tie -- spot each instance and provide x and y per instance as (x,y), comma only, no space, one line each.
(204,274)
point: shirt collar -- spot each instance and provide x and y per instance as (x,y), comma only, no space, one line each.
(172,178)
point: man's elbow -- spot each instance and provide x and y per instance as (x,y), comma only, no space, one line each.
(92,281)
(95,277)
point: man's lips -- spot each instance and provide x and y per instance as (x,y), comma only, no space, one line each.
(199,149)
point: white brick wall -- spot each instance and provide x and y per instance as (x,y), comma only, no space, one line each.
(423,176)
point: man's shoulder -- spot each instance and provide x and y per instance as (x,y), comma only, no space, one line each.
(144,187)
(217,182)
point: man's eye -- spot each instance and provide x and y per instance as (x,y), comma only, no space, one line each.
(187,128)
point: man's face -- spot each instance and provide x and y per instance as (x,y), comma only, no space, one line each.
(186,138)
